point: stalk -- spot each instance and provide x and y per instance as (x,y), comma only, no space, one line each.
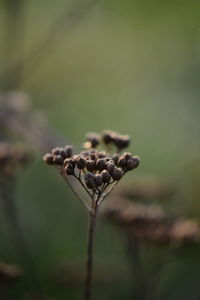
(89,269)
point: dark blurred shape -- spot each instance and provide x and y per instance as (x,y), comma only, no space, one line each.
(9,273)
(150,222)
(13,157)
(19,119)
(148,188)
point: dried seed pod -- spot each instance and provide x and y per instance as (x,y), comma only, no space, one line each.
(105,176)
(48,158)
(107,136)
(68,150)
(137,161)
(81,162)
(90,165)
(56,151)
(90,184)
(63,153)
(58,160)
(132,163)
(102,154)
(98,180)
(122,162)
(94,139)
(115,158)
(101,164)
(69,161)
(117,174)
(93,156)
(69,169)
(88,176)
(86,154)
(127,155)
(121,141)
(110,166)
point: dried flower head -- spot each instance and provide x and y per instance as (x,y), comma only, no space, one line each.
(13,157)
(149,222)
(118,140)
(97,171)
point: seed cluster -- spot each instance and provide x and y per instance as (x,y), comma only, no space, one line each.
(95,168)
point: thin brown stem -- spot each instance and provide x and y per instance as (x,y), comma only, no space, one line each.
(88,281)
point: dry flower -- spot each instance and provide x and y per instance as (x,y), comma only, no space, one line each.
(98,172)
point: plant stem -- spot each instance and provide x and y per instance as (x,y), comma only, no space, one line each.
(88,281)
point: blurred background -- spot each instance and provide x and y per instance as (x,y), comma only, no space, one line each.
(129,66)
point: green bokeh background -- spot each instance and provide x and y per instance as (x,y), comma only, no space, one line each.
(130,66)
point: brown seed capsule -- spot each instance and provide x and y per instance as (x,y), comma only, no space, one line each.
(110,166)
(93,156)
(127,155)
(69,161)
(102,154)
(136,160)
(98,180)
(48,158)
(105,176)
(56,151)
(89,175)
(132,163)
(69,169)
(90,165)
(90,184)
(58,160)
(121,141)
(115,158)
(94,139)
(81,162)
(68,150)
(107,136)
(117,174)
(122,162)
(63,153)
(101,164)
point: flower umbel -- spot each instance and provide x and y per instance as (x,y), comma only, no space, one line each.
(97,169)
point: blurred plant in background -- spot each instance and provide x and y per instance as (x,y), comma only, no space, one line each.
(132,64)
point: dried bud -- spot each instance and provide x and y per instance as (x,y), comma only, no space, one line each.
(117,174)
(105,176)
(102,154)
(69,169)
(56,151)
(98,180)
(115,158)
(94,139)
(137,161)
(110,166)
(121,141)
(107,136)
(81,162)
(93,156)
(122,162)
(69,161)
(132,163)
(90,183)
(101,164)
(48,158)
(68,150)
(88,176)
(58,160)
(63,153)
(127,155)
(90,165)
